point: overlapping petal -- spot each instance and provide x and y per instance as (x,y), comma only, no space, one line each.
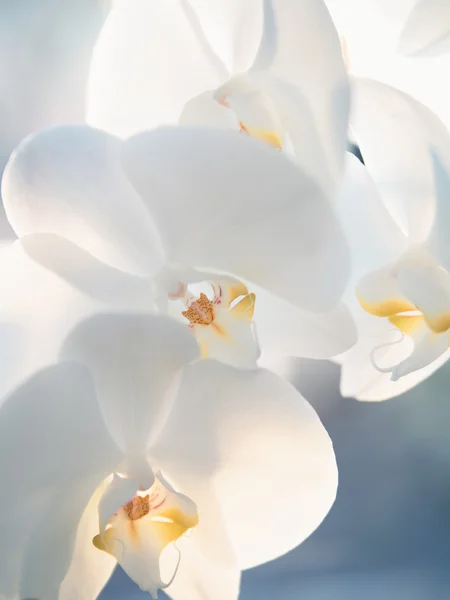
(233,29)
(427,29)
(371,30)
(294,32)
(395,134)
(286,330)
(89,569)
(380,294)
(373,237)
(68,181)
(150,59)
(380,341)
(48,286)
(299,124)
(262,447)
(428,345)
(437,241)
(208,566)
(230,196)
(55,451)
(135,361)
(428,288)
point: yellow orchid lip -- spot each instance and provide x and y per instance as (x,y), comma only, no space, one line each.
(145,526)
(386,308)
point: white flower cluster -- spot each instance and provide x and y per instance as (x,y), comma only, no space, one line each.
(208,220)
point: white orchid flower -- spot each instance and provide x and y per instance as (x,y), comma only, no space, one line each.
(427,29)
(395,214)
(210,206)
(130,443)
(405,44)
(268,68)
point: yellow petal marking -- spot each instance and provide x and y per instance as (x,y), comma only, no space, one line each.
(386,308)
(245,308)
(408,324)
(438,323)
(269,137)
(235,290)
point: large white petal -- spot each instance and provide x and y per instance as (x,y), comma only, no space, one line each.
(438,240)
(370,30)
(372,235)
(150,59)
(48,286)
(395,134)
(233,29)
(54,452)
(89,569)
(427,29)
(298,121)
(282,328)
(68,181)
(136,362)
(218,198)
(208,567)
(300,46)
(262,448)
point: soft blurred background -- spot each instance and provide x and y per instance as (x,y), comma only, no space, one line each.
(388,534)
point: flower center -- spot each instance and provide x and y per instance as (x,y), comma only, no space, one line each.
(219,313)
(137,508)
(145,526)
(200,312)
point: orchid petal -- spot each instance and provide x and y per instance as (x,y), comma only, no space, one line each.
(395,134)
(282,328)
(428,346)
(373,236)
(299,124)
(118,492)
(150,59)
(428,288)
(233,28)
(48,286)
(89,569)
(370,33)
(136,362)
(208,567)
(142,532)
(262,448)
(68,181)
(54,452)
(437,241)
(379,294)
(361,380)
(230,196)
(427,29)
(205,110)
(294,31)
